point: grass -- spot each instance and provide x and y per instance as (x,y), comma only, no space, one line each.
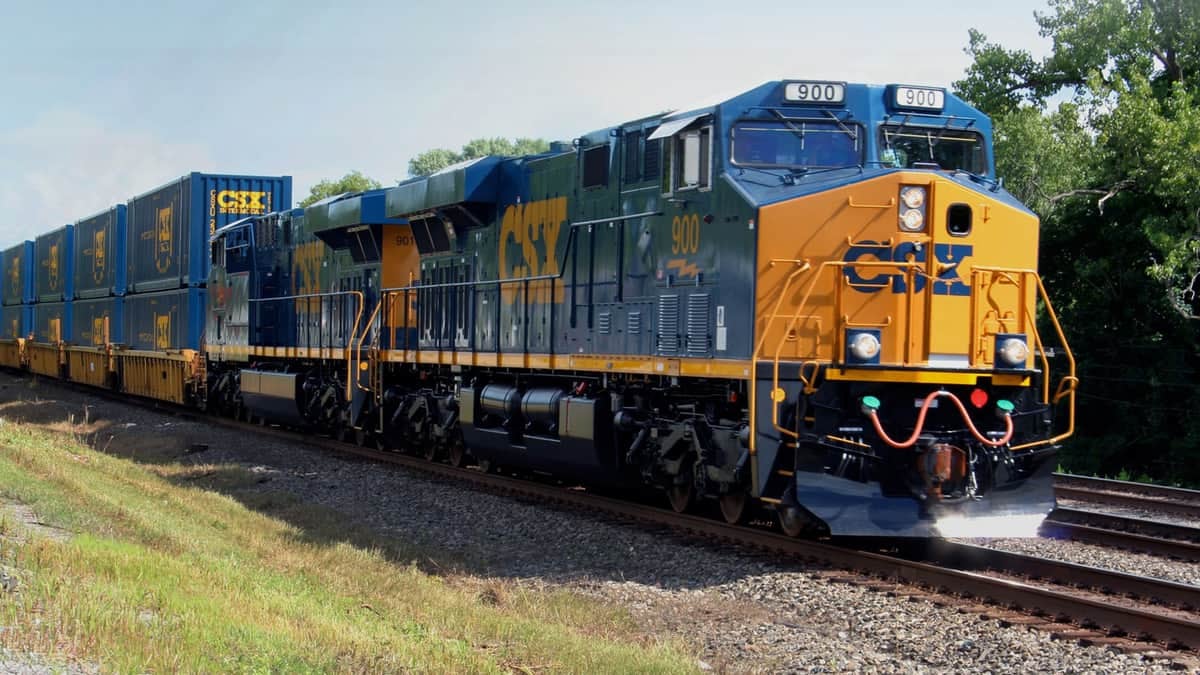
(165,573)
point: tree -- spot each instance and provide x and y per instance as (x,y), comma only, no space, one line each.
(434,160)
(1113,173)
(354,181)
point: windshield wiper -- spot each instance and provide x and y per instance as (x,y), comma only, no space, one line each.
(781,178)
(981,179)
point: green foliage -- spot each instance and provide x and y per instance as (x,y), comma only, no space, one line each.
(354,181)
(1114,173)
(437,159)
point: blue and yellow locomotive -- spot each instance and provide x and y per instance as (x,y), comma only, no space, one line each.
(814,297)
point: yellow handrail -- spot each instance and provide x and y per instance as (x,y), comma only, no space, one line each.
(1068,384)
(361,340)
(797,314)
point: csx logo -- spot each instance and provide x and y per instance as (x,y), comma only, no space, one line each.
(241,202)
(875,279)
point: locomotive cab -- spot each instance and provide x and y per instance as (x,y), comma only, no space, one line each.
(904,384)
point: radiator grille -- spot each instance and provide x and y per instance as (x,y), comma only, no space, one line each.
(697,324)
(668,324)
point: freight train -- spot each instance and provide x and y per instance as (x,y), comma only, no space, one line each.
(813,300)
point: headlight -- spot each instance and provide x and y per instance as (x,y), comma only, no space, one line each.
(1013,351)
(912,220)
(864,346)
(913,196)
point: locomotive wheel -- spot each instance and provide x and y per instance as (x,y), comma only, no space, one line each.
(361,437)
(792,521)
(680,496)
(735,507)
(340,433)
(430,451)
(486,466)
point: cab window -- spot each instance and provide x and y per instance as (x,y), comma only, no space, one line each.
(787,144)
(693,159)
(905,147)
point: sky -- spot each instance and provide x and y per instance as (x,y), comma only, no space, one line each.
(104,100)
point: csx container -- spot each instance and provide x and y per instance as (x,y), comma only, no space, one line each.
(16,321)
(53,265)
(167,320)
(52,321)
(18,274)
(97,322)
(169,227)
(100,254)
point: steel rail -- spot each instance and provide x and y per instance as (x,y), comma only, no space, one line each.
(1054,605)
(1086,534)
(1128,487)
(1140,624)
(964,556)
(1092,496)
(1108,521)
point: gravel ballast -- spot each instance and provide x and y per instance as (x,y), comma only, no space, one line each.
(740,612)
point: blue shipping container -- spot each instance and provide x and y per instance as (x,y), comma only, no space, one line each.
(16,321)
(169,227)
(167,320)
(98,321)
(55,269)
(18,274)
(100,254)
(51,321)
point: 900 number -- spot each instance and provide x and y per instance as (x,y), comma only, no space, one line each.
(916,97)
(814,92)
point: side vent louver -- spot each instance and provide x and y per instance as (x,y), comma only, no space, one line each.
(697,324)
(652,160)
(633,323)
(604,323)
(668,324)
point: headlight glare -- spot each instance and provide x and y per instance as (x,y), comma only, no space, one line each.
(864,346)
(913,197)
(1013,351)
(912,220)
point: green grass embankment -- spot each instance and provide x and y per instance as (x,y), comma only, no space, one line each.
(164,573)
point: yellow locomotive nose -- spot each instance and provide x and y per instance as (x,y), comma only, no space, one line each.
(929,267)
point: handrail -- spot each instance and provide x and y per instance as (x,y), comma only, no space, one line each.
(798,313)
(850,202)
(361,340)
(358,295)
(1070,382)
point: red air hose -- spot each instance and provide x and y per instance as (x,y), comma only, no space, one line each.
(1008,433)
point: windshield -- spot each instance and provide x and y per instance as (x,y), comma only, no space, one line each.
(796,145)
(906,146)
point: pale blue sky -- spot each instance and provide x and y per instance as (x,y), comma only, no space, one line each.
(103,100)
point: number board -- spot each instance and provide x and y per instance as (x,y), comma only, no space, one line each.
(814,92)
(919,97)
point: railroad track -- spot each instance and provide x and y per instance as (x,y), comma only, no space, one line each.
(1141,496)
(1133,534)
(1067,613)
(1096,619)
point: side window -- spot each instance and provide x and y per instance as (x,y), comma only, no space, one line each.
(595,167)
(693,152)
